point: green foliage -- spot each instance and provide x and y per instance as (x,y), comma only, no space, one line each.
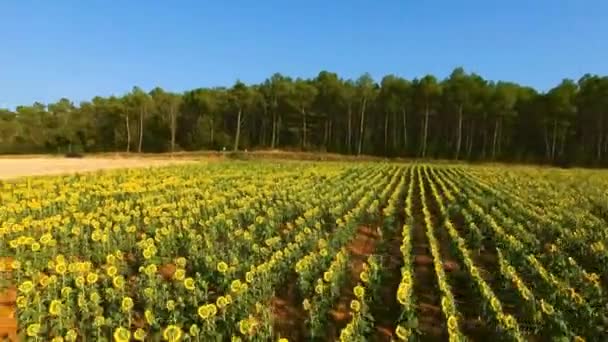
(461,117)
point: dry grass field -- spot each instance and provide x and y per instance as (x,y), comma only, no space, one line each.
(37,166)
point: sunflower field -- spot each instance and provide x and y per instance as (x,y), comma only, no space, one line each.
(299,251)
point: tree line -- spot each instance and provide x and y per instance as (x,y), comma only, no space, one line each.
(463,116)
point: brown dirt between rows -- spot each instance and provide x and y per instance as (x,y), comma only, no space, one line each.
(431,323)
(8,321)
(466,300)
(289,316)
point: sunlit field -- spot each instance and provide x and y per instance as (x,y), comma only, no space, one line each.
(305,251)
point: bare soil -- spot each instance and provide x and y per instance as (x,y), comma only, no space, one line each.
(39,166)
(8,321)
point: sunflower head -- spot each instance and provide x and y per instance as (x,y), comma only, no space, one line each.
(122,334)
(172,333)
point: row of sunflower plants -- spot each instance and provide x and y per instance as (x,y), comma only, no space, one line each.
(554,291)
(548,321)
(326,291)
(236,317)
(549,253)
(506,324)
(122,303)
(263,279)
(365,293)
(407,320)
(448,305)
(311,265)
(573,227)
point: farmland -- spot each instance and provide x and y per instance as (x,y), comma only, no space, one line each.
(260,251)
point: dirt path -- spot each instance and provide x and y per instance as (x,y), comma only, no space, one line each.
(20,167)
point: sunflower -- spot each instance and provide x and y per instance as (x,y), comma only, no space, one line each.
(170,305)
(99,321)
(364,276)
(148,253)
(194,330)
(402,294)
(452,323)
(55,307)
(140,334)
(249,277)
(112,271)
(244,326)
(92,278)
(179,274)
(222,267)
(359,291)
(172,333)
(181,262)
(61,268)
(150,270)
(33,330)
(21,302)
(26,287)
(402,333)
(546,307)
(306,304)
(203,311)
(118,282)
(122,335)
(57,339)
(235,286)
(127,304)
(189,284)
(221,302)
(71,335)
(355,305)
(149,315)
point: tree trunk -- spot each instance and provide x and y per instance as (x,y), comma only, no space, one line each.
(563,142)
(212,131)
(173,127)
(554,140)
(279,122)
(494,140)
(471,139)
(547,145)
(459,139)
(237,137)
(425,132)
(326,134)
(141,130)
(404,130)
(349,138)
(599,139)
(329,135)
(361,128)
(274,130)
(303,142)
(128,133)
(395,116)
(385,133)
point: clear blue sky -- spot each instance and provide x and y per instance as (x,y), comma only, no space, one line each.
(79,49)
